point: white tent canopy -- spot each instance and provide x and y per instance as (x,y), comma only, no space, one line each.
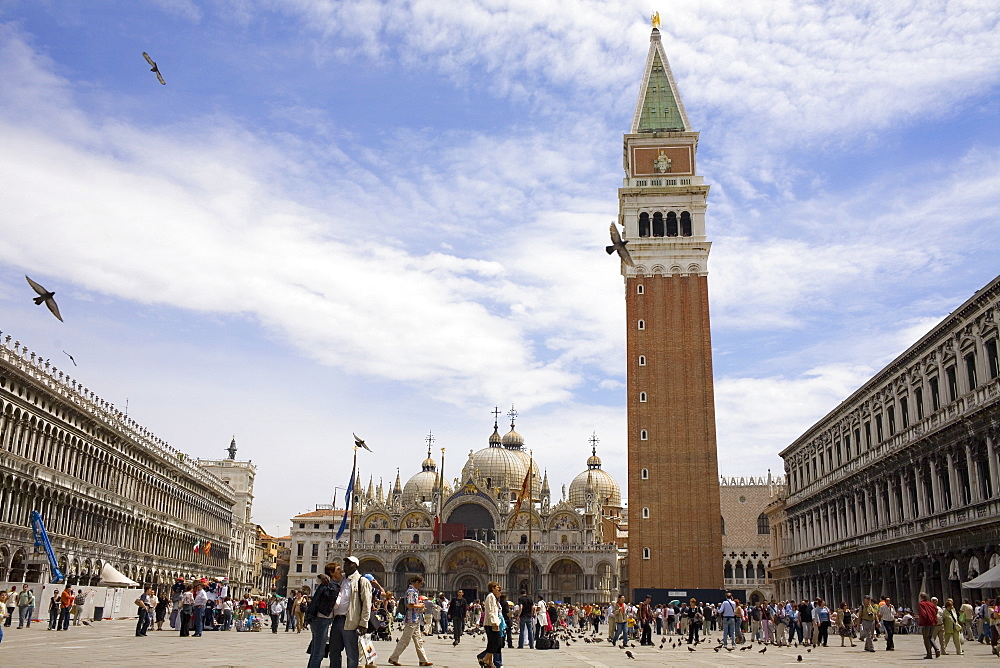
(112,577)
(988,580)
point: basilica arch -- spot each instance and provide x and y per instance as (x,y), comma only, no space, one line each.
(404,568)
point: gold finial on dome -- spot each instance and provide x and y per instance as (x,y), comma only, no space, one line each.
(429,464)
(655,19)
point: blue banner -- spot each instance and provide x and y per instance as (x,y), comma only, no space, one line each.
(347,505)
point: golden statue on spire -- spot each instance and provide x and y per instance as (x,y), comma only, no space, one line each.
(655,18)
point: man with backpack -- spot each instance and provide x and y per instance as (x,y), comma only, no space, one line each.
(728,612)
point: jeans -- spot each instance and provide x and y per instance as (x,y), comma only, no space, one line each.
(53,619)
(185,623)
(693,629)
(10,615)
(290,622)
(320,628)
(343,641)
(729,630)
(25,619)
(890,630)
(142,625)
(199,619)
(275,620)
(458,626)
(824,632)
(621,628)
(525,627)
(444,624)
(227,620)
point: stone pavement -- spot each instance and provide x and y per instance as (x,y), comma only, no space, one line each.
(113,643)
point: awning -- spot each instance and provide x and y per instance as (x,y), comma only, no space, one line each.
(988,580)
(112,577)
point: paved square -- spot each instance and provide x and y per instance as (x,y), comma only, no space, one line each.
(113,644)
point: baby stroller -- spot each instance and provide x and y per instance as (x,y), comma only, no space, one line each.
(382,620)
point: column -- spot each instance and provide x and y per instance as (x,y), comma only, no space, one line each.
(953,483)
(904,486)
(879,517)
(918,478)
(935,486)
(992,460)
(893,513)
(973,469)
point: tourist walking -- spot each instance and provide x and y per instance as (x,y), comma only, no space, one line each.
(54,611)
(952,628)
(412,619)
(145,604)
(491,623)
(457,610)
(822,615)
(927,619)
(186,607)
(887,616)
(618,617)
(198,610)
(10,602)
(845,624)
(66,599)
(695,620)
(728,610)
(25,606)
(868,615)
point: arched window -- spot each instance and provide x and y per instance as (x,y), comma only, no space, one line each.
(642,324)
(728,571)
(645,553)
(645,513)
(642,397)
(763,524)
(671,224)
(657,224)
(760,571)
(416,539)
(685,224)
(564,540)
(643,435)
(639,289)
(644,474)
(524,539)
(739,570)
(643,224)
(642,360)
(378,539)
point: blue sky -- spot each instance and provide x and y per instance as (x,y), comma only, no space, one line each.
(389,217)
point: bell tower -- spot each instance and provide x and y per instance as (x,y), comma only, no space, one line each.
(675,534)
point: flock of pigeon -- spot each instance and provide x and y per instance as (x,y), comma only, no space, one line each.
(569,636)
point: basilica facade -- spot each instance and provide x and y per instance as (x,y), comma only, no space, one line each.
(561,548)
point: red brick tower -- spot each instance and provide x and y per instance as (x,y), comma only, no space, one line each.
(675,536)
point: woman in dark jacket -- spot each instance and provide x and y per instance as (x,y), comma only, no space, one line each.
(319,614)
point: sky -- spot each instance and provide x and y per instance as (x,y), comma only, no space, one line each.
(388,218)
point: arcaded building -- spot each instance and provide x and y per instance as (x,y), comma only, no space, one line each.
(108,490)
(897,489)
(674,538)
(746,534)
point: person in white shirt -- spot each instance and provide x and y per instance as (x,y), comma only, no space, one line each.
(200,601)
(887,615)
(275,606)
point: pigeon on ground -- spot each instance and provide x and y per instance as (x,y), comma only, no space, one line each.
(360,443)
(800,657)
(154,68)
(618,245)
(762,651)
(715,649)
(692,649)
(629,655)
(743,649)
(46,297)
(70,358)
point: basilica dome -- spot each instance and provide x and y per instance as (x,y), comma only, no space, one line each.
(422,486)
(606,489)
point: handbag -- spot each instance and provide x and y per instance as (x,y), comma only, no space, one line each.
(326,649)
(366,652)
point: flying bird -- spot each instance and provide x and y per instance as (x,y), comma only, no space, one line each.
(618,245)
(45,298)
(154,68)
(360,443)
(70,358)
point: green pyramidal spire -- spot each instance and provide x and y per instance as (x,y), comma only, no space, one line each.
(659,107)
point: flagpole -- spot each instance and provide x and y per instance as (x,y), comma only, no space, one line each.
(531,509)
(440,523)
(350,505)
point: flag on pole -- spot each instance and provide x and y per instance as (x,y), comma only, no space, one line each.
(525,491)
(437,528)
(208,547)
(347,505)
(197,546)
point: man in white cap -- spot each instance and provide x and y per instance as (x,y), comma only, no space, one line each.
(350,615)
